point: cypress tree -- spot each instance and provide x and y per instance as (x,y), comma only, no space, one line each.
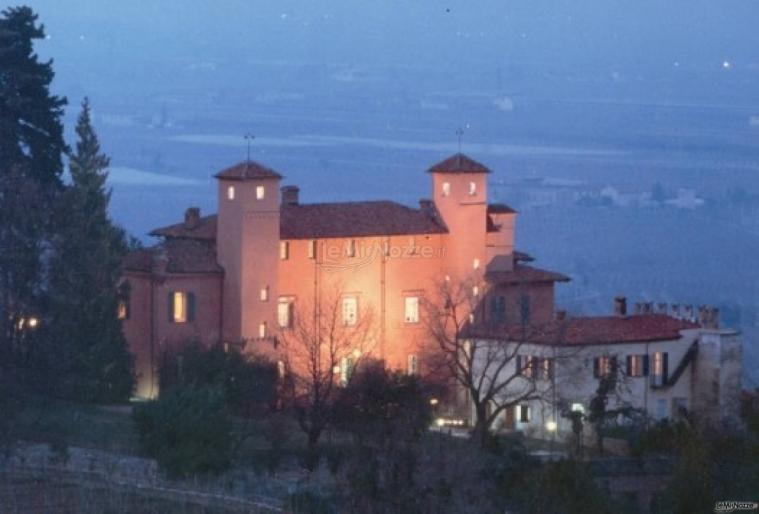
(31,148)
(31,133)
(84,280)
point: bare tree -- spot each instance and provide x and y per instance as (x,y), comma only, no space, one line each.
(322,346)
(492,373)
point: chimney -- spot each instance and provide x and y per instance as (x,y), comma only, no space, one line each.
(290,195)
(191,218)
(620,306)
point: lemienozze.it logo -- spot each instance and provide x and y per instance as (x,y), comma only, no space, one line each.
(734,506)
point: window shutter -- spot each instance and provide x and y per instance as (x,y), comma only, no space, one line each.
(519,364)
(665,367)
(170,303)
(190,306)
(628,365)
(645,365)
(597,367)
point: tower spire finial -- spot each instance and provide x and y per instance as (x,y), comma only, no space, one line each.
(248,137)
(459,133)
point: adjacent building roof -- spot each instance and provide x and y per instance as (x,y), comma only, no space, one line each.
(174,256)
(640,328)
(459,163)
(322,220)
(500,208)
(247,170)
(522,274)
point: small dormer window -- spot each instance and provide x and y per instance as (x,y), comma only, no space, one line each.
(231,193)
(446,188)
(472,189)
(260,192)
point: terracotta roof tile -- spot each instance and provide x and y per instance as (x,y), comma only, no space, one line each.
(355,219)
(591,330)
(459,163)
(320,220)
(247,170)
(524,274)
(174,256)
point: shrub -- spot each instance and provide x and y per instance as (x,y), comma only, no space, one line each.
(249,384)
(187,430)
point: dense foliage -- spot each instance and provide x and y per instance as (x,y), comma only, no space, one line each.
(187,430)
(248,384)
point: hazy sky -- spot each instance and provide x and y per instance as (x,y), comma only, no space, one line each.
(558,33)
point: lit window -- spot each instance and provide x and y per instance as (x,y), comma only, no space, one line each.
(265,294)
(231,193)
(350,249)
(285,313)
(346,369)
(312,249)
(284,250)
(260,191)
(578,407)
(411,309)
(603,366)
(523,413)
(413,364)
(123,310)
(636,365)
(446,188)
(472,189)
(546,368)
(262,330)
(350,310)
(660,368)
(526,365)
(476,264)
(181,307)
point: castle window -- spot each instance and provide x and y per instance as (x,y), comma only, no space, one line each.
(231,193)
(350,310)
(604,366)
(350,250)
(523,413)
(412,366)
(123,309)
(411,309)
(181,307)
(476,264)
(262,330)
(472,189)
(660,366)
(312,249)
(281,369)
(260,192)
(446,188)
(285,313)
(637,365)
(475,291)
(265,294)
(346,369)
(284,250)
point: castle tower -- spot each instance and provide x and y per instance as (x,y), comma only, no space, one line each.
(459,190)
(247,247)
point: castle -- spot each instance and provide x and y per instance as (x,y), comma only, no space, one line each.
(236,276)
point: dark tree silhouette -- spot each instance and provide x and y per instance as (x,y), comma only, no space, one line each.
(84,281)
